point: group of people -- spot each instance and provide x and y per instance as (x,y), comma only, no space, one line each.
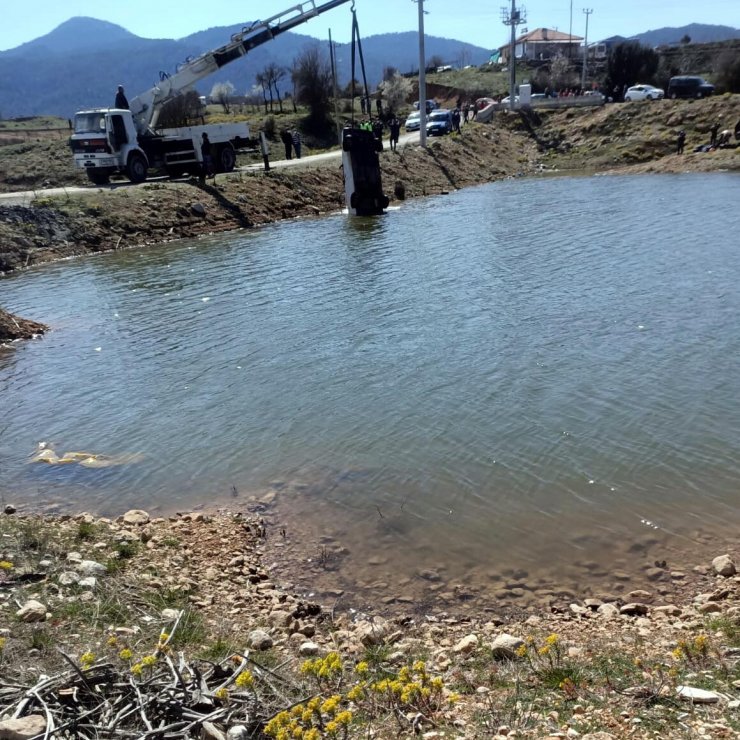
(292,142)
(717,138)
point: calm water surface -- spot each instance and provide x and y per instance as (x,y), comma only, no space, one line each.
(530,371)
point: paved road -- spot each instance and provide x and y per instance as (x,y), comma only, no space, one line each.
(25,197)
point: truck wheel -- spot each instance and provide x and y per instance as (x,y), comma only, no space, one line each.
(137,167)
(99,177)
(226,158)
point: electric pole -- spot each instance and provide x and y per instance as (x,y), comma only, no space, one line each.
(332,57)
(512,18)
(422,79)
(570,32)
(587,12)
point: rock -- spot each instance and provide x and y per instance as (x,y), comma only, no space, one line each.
(608,610)
(91,568)
(466,645)
(372,633)
(308,649)
(670,609)
(260,640)
(74,557)
(697,696)
(236,561)
(68,577)
(279,619)
(640,595)
(136,516)
(634,609)
(505,646)
(170,615)
(9,509)
(89,582)
(198,209)
(723,565)
(711,607)
(237,732)
(209,731)
(22,728)
(32,611)
(598,736)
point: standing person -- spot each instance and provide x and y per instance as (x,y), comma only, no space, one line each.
(377,128)
(287,140)
(379,107)
(205,153)
(456,120)
(297,143)
(713,132)
(680,141)
(395,128)
(121,101)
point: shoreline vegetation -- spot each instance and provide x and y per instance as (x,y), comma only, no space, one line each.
(131,625)
(148,627)
(626,138)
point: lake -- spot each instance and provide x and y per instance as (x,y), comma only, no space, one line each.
(531,381)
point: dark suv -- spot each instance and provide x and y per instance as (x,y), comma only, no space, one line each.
(689,87)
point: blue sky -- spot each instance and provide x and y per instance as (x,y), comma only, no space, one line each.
(475,21)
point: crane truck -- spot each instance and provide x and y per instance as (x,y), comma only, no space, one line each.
(114,140)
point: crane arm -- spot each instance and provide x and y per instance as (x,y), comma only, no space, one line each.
(145,108)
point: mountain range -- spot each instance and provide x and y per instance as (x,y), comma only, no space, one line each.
(79,64)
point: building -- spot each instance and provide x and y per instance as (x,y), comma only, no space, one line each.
(543,44)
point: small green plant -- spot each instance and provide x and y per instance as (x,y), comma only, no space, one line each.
(86,531)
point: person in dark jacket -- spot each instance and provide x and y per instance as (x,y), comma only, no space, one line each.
(297,143)
(287,140)
(680,141)
(395,129)
(205,152)
(121,101)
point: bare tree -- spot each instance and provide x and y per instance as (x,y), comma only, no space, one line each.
(388,73)
(221,92)
(262,81)
(312,79)
(463,57)
(182,110)
(275,74)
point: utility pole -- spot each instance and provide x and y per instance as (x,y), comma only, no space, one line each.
(587,12)
(570,32)
(422,79)
(512,18)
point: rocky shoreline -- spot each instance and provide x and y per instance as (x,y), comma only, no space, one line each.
(119,597)
(13,328)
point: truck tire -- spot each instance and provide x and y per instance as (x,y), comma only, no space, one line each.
(137,167)
(226,158)
(98,177)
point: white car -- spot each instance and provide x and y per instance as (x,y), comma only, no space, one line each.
(413,122)
(643,92)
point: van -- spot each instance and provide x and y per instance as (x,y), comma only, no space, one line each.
(686,86)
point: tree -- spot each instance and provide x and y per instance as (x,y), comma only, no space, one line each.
(221,92)
(275,74)
(727,71)
(261,80)
(182,110)
(562,74)
(395,91)
(686,39)
(388,73)
(435,61)
(312,79)
(628,63)
(464,57)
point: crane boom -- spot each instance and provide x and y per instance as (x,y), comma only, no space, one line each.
(145,108)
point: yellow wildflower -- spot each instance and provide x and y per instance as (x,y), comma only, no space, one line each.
(307,716)
(6,565)
(297,732)
(544,650)
(244,680)
(362,668)
(522,651)
(701,643)
(125,654)
(453,698)
(312,734)
(344,718)
(552,640)
(331,704)
(332,727)
(419,666)
(356,693)
(677,653)
(149,660)
(87,659)
(221,694)
(314,704)
(297,710)
(112,641)
(437,683)
(136,669)
(3,640)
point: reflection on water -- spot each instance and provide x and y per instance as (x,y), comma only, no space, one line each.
(513,374)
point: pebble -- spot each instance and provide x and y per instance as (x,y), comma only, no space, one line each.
(308,649)
(260,640)
(32,611)
(466,645)
(9,509)
(23,728)
(697,696)
(505,646)
(634,609)
(91,568)
(68,577)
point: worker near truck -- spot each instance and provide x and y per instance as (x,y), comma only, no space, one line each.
(121,101)
(205,151)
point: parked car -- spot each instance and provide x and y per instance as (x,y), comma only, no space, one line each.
(439,122)
(413,122)
(431,105)
(643,92)
(686,86)
(507,100)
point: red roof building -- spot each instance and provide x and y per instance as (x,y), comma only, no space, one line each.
(542,43)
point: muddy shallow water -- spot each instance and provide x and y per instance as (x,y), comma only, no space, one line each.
(530,382)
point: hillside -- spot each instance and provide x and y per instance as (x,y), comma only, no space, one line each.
(42,77)
(697,32)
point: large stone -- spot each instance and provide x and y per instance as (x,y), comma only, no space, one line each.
(22,728)
(136,516)
(68,577)
(237,732)
(91,568)
(466,645)
(260,640)
(308,649)
(608,610)
(372,633)
(505,646)
(209,731)
(597,736)
(634,609)
(32,611)
(723,565)
(697,696)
